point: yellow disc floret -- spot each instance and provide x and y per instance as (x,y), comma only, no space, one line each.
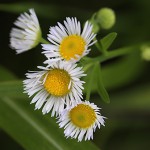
(71,46)
(82,116)
(57,82)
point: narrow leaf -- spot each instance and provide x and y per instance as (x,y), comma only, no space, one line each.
(34,131)
(6,74)
(31,129)
(115,75)
(100,86)
(12,89)
(89,81)
(106,42)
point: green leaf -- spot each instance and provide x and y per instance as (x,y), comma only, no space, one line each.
(115,76)
(106,42)
(135,98)
(31,129)
(120,73)
(6,74)
(12,89)
(126,103)
(34,131)
(89,81)
(100,86)
(86,63)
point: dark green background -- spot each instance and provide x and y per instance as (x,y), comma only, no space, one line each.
(128,123)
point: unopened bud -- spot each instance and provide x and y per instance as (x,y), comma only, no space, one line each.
(106,18)
(146,53)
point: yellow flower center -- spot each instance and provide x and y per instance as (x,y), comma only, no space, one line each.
(82,116)
(57,82)
(71,46)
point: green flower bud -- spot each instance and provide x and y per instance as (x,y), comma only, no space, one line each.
(96,26)
(146,53)
(106,18)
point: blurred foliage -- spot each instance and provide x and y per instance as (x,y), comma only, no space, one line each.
(126,78)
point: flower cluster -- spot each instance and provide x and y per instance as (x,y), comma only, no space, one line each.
(57,88)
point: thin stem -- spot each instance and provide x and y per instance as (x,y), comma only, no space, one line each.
(107,56)
(43,41)
(87,67)
(98,46)
(117,52)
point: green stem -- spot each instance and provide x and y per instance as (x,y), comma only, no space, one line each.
(86,67)
(99,47)
(43,41)
(117,52)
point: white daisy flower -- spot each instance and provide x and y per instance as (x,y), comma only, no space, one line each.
(81,121)
(55,87)
(67,42)
(27,32)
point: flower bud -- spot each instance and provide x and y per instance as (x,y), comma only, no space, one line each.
(96,26)
(146,53)
(106,18)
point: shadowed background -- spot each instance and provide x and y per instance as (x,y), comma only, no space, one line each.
(128,124)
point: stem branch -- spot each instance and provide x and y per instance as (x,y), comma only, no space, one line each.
(118,52)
